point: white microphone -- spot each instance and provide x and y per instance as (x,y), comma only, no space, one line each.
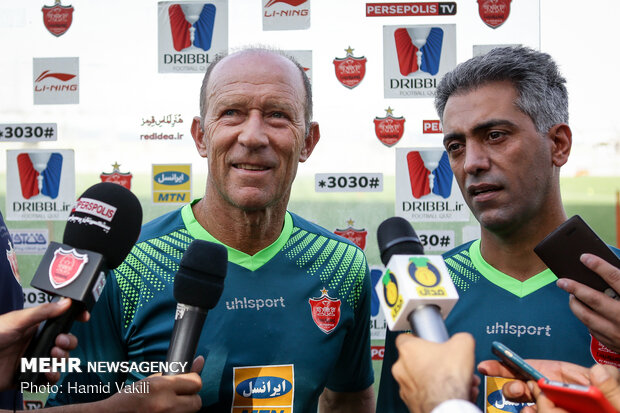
(415,292)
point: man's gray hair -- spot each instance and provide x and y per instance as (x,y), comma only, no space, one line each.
(258,49)
(540,87)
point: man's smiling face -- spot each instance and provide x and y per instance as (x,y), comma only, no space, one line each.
(254,129)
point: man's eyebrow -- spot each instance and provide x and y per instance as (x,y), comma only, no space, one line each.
(491,123)
(269,104)
(454,135)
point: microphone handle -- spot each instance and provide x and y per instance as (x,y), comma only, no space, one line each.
(188,324)
(41,344)
(427,323)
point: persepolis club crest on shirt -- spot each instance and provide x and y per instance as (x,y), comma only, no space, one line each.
(325,311)
(350,70)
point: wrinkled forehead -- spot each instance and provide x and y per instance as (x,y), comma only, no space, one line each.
(256,67)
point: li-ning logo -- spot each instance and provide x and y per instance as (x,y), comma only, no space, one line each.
(191,24)
(418,48)
(55,86)
(429,171)
(293,3)
(64,77)
(39,173)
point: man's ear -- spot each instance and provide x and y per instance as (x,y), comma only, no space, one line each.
(310,141)
(561,141)
(198,135)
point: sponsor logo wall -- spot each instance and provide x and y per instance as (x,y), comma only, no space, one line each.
(117,86)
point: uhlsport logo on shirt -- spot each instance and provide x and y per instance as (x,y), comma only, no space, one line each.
(191,34)
(263,388)
(415,58)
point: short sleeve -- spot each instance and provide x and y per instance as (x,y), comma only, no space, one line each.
(388,399)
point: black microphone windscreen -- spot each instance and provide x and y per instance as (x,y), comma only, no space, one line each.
(106,219)
(396,236)
(200,279)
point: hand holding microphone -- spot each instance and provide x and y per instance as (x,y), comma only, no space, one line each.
(431,373)
(416,291)
(18,327)
(101,230)
(198,285)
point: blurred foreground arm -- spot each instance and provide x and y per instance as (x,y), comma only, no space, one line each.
(16,331)
(606,378)
(432,373)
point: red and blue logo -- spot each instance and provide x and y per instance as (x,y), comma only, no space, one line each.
(39,173)
(192,25)
(429,172)
(418,48)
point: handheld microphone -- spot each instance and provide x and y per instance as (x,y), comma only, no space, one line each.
(416,291)
(198,285)
(101,230)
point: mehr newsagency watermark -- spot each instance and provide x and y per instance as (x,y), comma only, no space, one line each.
(73,365)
